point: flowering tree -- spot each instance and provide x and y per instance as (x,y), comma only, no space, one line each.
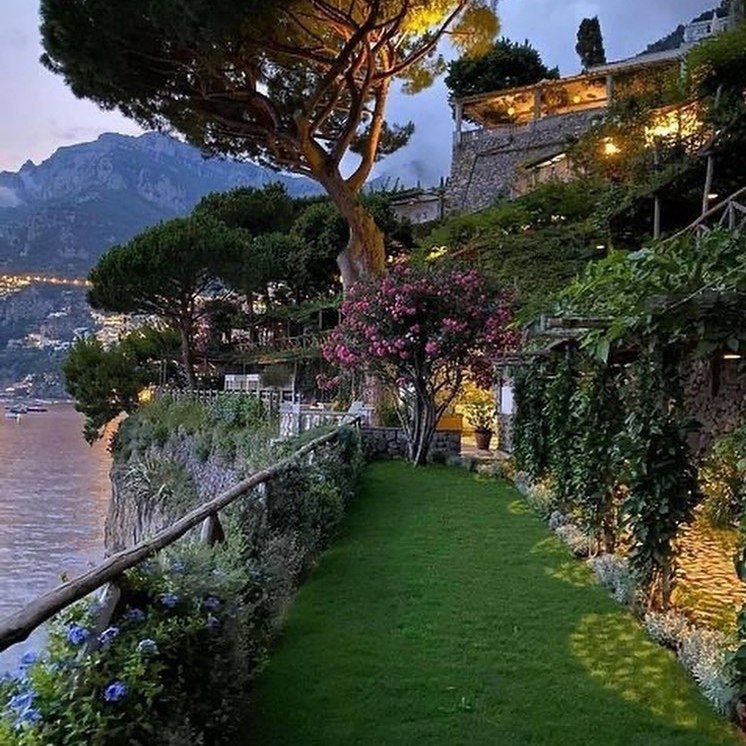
(422,331)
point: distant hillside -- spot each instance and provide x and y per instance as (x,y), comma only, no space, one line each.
(676,38)
(63,214)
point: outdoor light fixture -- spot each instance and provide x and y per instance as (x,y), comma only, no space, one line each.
(610,147)
(576,99)
(511,111)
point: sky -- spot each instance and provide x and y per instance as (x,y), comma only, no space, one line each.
(39,114)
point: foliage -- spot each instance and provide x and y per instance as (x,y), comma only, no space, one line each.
(105,382)
(232,424)
(480,412)
(553,227)
(256,211)
(598,418)
(309,85)
(683,289)
(722,480)
(164,271)
(506,64)
(530,436)
(718,64)
(192,627)
(422,331)
(561,427)
(175,659)
(661,482)
(613,573)
(590,46)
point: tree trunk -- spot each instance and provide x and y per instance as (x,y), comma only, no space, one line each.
(423,431)
(187,359)
(365,254)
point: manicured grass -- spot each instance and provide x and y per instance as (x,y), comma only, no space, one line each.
(447,614)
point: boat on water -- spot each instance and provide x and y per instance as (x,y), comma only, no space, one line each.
(36,408)
(16,409)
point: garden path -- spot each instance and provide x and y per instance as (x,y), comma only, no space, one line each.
(447,614)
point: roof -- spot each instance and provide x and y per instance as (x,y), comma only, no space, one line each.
(599,71)
(641,60)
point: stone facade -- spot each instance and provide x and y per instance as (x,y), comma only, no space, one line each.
(715,396)
(391,442)
(485,162)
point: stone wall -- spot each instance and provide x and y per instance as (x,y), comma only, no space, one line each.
(505,432)
(391,442)
(715,396)
(485,161)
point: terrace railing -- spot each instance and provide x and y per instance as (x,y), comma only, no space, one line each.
(730,214)
(18,626)
(296,418)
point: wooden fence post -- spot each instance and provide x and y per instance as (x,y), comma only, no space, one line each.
(212,531)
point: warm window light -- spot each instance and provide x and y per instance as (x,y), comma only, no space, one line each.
(712,195)
(610,147)
(731,356)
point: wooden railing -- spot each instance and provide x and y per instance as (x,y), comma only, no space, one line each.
(18,626)
(730,214)
(283,346)
(272,398)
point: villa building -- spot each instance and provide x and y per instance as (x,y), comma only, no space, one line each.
(508,142)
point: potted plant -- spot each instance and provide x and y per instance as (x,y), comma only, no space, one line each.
(480,415)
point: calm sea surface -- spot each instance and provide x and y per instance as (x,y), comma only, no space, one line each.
(54,492)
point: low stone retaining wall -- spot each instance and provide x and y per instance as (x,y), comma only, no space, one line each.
(391,442)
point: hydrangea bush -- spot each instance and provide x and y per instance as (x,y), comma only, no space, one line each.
(173,665)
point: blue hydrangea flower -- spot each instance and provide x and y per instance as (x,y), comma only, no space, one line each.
(115,691)
(135,615)
(19,702)
(176,566)
(147,647)
(30,716)
(108,636)
(169,600)
(29,658)
(212,603)
(77,635)
(212,622)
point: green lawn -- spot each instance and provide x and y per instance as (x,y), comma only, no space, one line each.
(447,614)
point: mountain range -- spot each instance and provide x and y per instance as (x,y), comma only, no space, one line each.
(61,215)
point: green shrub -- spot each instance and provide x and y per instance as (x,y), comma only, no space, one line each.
(192,626)
(722,479)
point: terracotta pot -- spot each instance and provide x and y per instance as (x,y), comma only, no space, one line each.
(483,438)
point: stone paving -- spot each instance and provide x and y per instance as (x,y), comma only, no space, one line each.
(709,590)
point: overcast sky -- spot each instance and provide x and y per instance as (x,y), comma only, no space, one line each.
(39,113)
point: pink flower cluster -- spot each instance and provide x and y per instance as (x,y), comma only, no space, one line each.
(416,324)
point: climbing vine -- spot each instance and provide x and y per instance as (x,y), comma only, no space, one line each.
(598,414)
(529,427)
(660,476)
(561,427)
